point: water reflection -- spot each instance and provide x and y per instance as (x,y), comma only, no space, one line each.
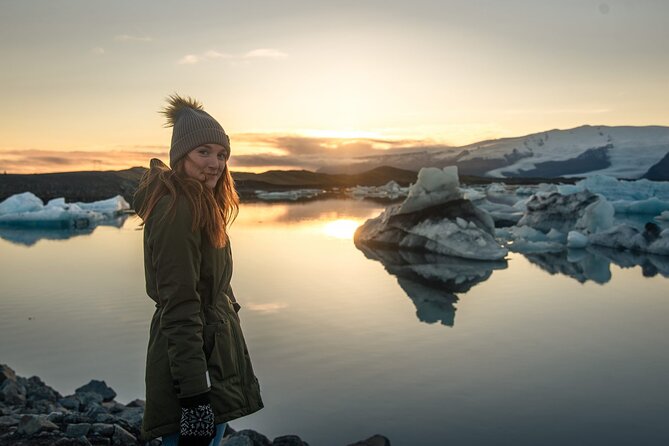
(593,263)
(28,237)
(431,281)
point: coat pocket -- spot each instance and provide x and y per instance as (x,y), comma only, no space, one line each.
(220,351)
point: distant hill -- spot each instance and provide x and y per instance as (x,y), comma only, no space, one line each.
(74,186)
(621,152)
(97,185)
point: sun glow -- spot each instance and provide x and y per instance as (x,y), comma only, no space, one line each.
(341,228)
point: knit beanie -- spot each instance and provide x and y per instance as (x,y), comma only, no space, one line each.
(192,127)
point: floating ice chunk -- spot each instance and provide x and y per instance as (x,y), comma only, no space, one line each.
(652,206)
(615,190)
(109,207)
(576,240)
(664,216)
(597,216)
(24,202)
(391,190)
(288,195)
(433,186)
(27,211)
(581,210)
(651,239)
(472,194)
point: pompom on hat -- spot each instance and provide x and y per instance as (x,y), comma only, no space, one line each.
(192,127)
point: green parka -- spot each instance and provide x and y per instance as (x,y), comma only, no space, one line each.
(195,341)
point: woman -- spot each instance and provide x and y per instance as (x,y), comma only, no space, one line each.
(198,370)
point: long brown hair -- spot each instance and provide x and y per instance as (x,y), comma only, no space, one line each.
(213,210)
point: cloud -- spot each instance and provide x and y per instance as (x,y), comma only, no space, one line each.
(294,151)
(249,151)
(98,50)
(265,53)
(260,53)
(129,38)
(40,161)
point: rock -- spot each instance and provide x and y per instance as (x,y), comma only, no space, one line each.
(70,402)
(237,441)
(12,393)
(113,406)
(77,430)
(99,387)
(9,420)
(133,415)
(31,424)
(40,407)
(36,389)
(136,403)
(88,399)
(80,441)
(376,440)
(94,410)
(6,373)
(102,429)
(257,439)
(56,417)
(288,440)
(122,437)
(105,418)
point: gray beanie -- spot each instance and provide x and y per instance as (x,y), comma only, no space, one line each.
(193,127)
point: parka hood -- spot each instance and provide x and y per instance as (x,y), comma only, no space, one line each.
(151,176)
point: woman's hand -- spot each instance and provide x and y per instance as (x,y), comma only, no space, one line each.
(197,421)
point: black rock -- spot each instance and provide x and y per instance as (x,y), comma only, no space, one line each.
(288,440)
(99,387)
(12,393)
(122,437)
(70,402)
(77,430)
(376,440)
(32,424)
(6,373)
(257,439)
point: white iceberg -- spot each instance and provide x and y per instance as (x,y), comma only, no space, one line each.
(291,195)
(651,240)
(628,197)
(27,211)
(581,210)
(435,217)
(390,191)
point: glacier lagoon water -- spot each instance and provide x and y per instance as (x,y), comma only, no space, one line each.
(569,348)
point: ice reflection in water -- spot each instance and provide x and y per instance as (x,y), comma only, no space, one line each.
(593,263)
(431,281)
(29,237)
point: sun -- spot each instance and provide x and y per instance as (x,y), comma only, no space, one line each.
(342,228)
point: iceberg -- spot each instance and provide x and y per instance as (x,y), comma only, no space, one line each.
(389,191)
(292,195)
(651,239)
(628,197)
(436,218)
(581,210)
(26,211)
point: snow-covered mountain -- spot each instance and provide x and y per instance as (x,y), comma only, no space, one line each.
(621,152)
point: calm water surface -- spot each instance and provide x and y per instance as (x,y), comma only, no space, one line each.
(562,349)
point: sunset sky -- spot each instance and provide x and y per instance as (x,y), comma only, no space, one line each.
(82,80)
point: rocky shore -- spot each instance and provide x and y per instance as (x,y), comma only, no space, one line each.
(33,413)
